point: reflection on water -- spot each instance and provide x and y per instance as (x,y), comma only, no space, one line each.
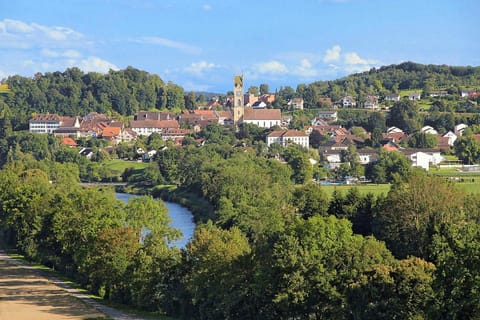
(181,217)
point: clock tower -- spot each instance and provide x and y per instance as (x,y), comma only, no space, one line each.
(238,106)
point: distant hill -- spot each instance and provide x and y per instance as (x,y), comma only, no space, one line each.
(404,76)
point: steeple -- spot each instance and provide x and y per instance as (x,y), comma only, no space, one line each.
(238,104)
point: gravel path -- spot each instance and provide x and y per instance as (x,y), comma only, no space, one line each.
(28,293)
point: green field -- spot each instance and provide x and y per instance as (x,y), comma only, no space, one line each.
(121,165)
(376,189)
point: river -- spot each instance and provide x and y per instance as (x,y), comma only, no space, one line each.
(181,217)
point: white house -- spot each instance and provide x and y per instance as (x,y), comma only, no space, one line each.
(371,102)
(48,123)
(459,129)
(259,105)
(347,102)
(423,158)
(296,104)
(451,138)
(414,96)
(147,127)
(429,130)
(328,115)
(285,137)
(392,97)
(394,130)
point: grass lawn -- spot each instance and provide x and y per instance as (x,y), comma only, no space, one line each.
(376,189)
(469,187)
(121,165)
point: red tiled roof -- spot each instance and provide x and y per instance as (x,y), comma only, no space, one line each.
(69,142)
(262,114)
(46,117)
(111,131)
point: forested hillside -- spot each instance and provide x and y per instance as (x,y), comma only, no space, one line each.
(73,92)
(404,76)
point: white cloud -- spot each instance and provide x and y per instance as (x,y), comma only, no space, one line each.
(305,69)
(21,35)
(170,44)
(73,54)
(272,67)
(198,68)
(354,58)
(332,54)
(207,7)
(191,86)
(95,64)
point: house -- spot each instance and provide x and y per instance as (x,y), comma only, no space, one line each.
(392,97)
(459,129)
(267,98)
(296,104)
(249,99)
(286,119)
(154,115)
(429,130)
(67,141)
(414,96)
(325,102)
(224,117)
(347,102)
(452,137)
(438,94)
(264,118)
(147,127)
(469,94)
(328,115)
(371,102)
(198,118)
(46,123)
(423,158)
(286,137)
(175,134)
(394,130)
(259,105)
(367,156)
(86,152)
(112,134)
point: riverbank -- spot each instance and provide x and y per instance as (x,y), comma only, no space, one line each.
(200,208)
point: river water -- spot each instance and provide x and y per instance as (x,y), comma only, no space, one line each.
(181,217)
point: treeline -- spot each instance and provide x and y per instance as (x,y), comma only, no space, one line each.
(74,92)
(275,249)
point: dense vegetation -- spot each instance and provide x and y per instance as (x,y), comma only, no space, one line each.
(275,249)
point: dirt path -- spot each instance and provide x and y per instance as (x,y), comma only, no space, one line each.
(27,294)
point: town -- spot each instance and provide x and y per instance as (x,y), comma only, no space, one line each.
(424,147)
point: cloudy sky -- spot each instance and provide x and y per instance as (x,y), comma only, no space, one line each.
(202,44)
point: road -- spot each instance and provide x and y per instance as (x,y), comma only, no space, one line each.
(28,293)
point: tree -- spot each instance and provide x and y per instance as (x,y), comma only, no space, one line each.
(423,140)
(310,200)
(253,90)
(313,263)
(413,211)
(390,166)
(215,280)
(405,116)
(456,252)
(299,161)
(190,101)
(264,89)
(467,149)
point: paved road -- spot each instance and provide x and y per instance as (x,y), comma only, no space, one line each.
(110,312)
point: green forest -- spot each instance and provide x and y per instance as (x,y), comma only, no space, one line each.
(269,243)
(272,246)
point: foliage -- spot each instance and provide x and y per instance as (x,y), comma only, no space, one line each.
(413,212)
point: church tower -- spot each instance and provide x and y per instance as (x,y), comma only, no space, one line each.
(238,106)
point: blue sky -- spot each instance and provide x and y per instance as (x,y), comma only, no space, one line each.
(201,44)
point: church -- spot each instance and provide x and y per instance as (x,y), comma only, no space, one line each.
(264,118)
